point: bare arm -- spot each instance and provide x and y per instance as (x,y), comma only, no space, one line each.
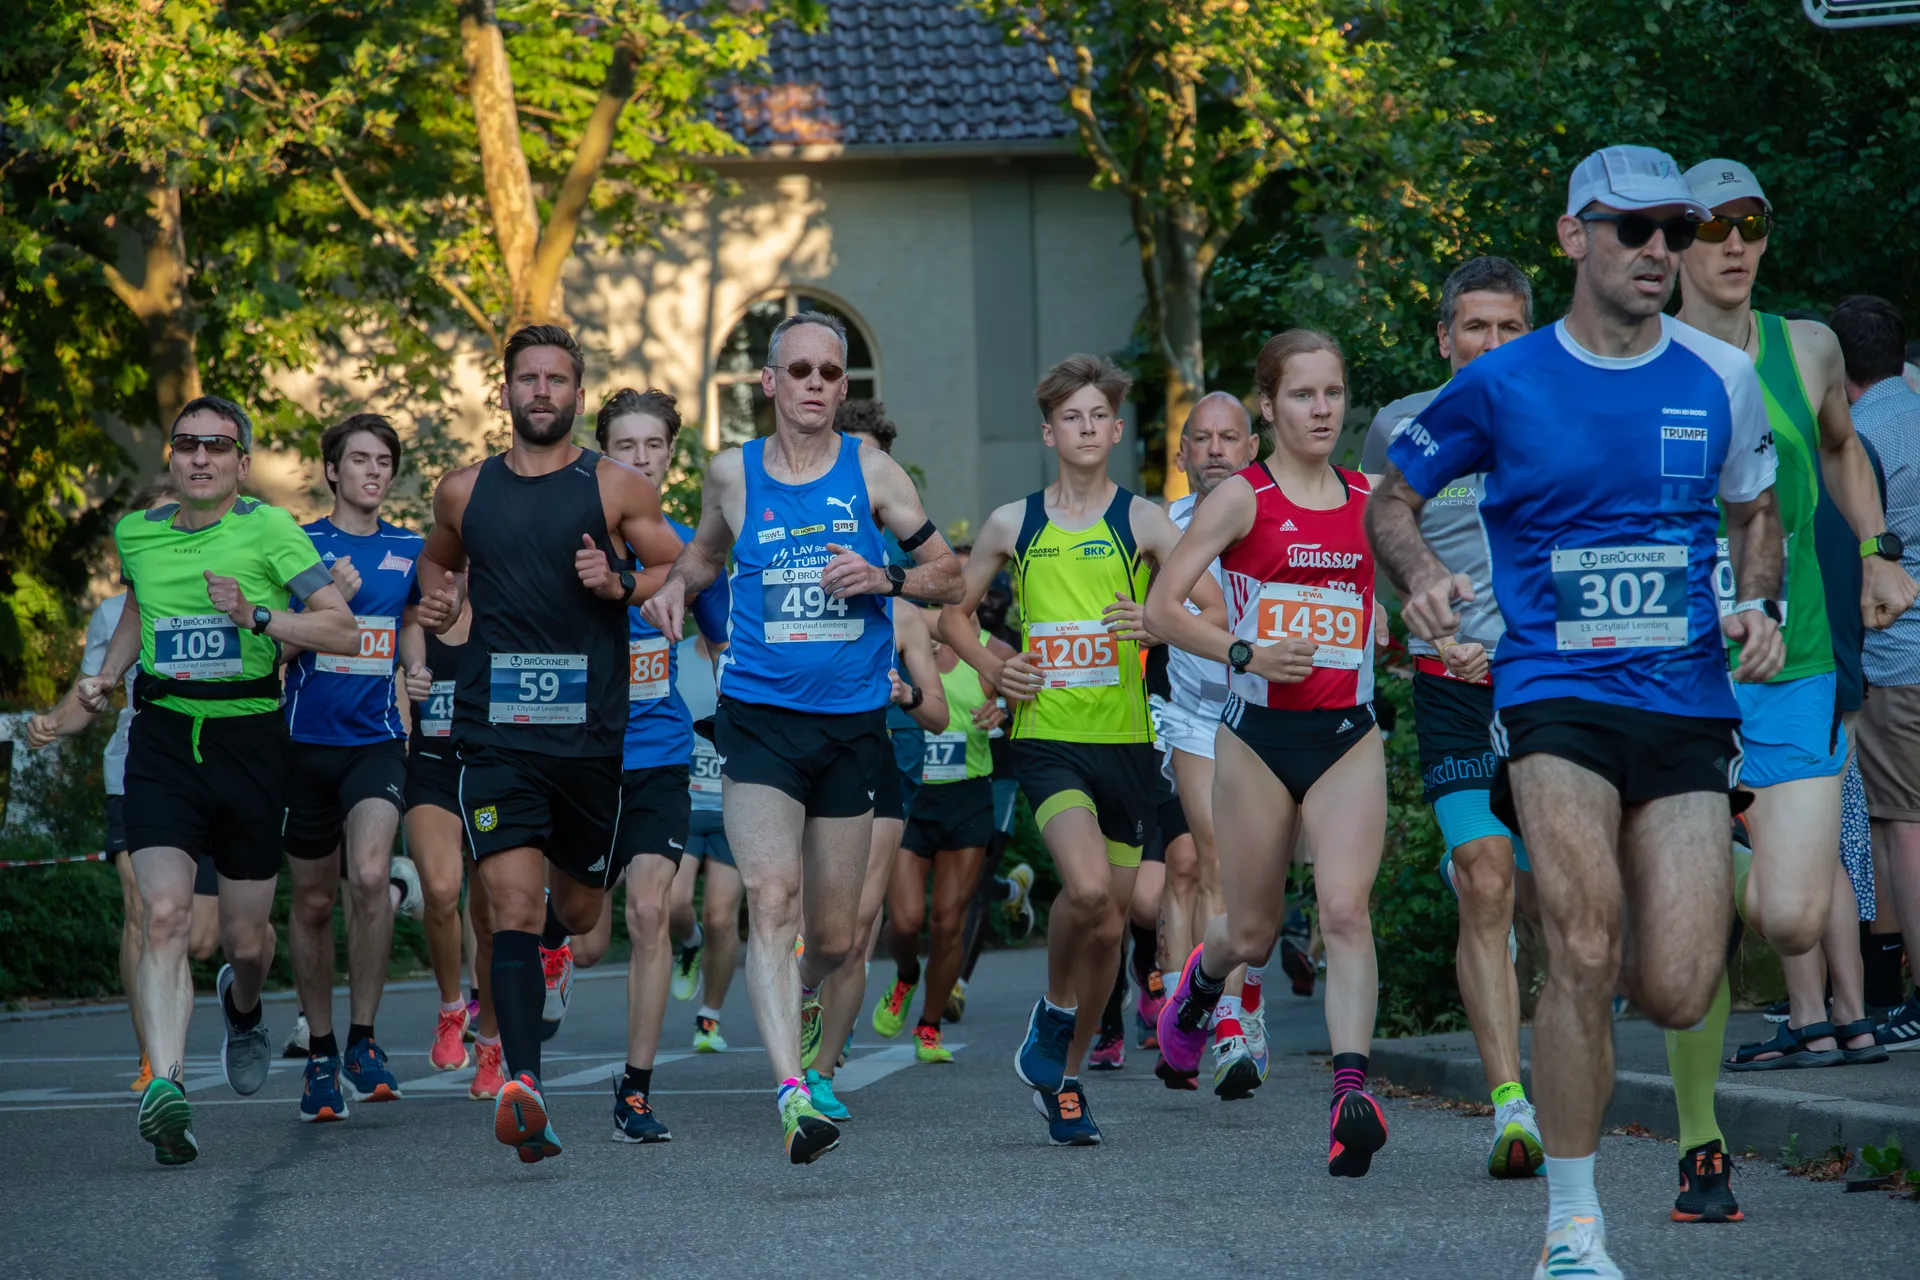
(1754,546)
(958,630)
(704,559)
(916,647)
(122,650)
(935,575)
(444,558)
(1427,590)
(1157,536)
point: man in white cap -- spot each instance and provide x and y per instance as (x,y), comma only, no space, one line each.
(1605,441)
(1794,747)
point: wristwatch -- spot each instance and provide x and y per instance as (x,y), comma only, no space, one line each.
(1767,607)
(919,696)
(1239,654)
(1887,546)
(627,582)
(261,617)
(896,579)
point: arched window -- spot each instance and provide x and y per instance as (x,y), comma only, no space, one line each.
(740,410)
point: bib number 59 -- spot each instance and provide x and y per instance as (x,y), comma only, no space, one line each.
(539,686)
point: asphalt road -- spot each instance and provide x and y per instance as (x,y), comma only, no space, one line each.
(943,1171)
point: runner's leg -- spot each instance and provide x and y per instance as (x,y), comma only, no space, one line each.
(480,911)
(1344,815)
(590,946)
(720,920)
(132,930)
(1193,776)
(765,826)
(1795,828)
(433,839)
(163,992)
(954,875)
(1088,921)
(907,915)
(1483,875)
(247,937)
(845,989)
(1254,834)
(316,887)
(371,826)
(650,965)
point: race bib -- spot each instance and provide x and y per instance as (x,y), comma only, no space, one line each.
(946,757)
(375,657)
(205,647)
(796,609)
(647,669)
(703,778)
(1075,655)
(1334,620)
(1620,598)
(537,688)
(436,713)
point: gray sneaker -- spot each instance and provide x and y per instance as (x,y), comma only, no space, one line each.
(248,1053)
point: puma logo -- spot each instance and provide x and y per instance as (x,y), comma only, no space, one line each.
(845,504)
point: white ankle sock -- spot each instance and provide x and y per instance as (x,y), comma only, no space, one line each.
(708,1011)
(1570,1192)
(695,939)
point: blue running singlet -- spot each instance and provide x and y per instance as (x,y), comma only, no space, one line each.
(348,699)
(659,728)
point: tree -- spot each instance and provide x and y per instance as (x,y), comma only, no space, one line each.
(1189,109)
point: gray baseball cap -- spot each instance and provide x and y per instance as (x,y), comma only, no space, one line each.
(1632,178)
(1718,182)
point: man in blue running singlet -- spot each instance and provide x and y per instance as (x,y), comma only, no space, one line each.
(1605,440)
(804,681)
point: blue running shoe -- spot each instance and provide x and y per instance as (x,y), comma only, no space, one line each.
(320,1095)
(366,1074)
(821,1088)
(520,1120)
(633,1118)
(1069,1123)
(1041,1062)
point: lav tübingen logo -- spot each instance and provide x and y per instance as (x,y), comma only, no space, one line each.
(486,819)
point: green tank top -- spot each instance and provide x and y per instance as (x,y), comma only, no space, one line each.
(1796,486)
(1095,690)
(961,752)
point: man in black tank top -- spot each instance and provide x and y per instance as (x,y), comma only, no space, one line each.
(540,707)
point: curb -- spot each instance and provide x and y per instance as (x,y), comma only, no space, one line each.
(1752,1116)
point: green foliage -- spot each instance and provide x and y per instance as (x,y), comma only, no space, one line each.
(62,924)
(1886,1160)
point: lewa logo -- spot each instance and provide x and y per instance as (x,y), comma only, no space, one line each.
(1308,555)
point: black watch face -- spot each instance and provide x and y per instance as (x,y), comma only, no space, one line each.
(1891,546)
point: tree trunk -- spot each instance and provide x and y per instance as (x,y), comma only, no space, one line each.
(1182,291)
(563,223)
(516,221)
(164,304)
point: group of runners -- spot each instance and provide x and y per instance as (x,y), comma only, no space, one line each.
(1597,530)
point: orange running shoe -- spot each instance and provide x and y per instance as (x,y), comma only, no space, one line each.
(488,1077)
(145,1078)
(449,1052)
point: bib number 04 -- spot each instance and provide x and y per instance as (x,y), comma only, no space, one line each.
(374,656)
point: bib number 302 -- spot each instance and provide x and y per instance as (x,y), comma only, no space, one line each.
(537,688)
(1620,598)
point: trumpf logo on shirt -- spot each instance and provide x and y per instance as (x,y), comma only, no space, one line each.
(1308,555)
(1420,437)
(1683,445)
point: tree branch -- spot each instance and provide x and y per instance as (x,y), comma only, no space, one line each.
(136,299)
(406,246)
(563,222)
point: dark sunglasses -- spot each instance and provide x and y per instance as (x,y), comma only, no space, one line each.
(1635,229)
(216,446)
(1755,226)
(801,370)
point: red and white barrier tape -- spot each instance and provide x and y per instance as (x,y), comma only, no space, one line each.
(49,862)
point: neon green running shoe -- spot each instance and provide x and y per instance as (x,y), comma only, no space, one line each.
(810,1135)
(686,971)
(809,1028)
(927,1046)
(956,1002)
(166,1120)
(891,1013)
(707,1037)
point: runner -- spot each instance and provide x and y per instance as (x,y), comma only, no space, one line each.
(1297,747)
(540,708)
(1082,735)
(709,949)
(1605,441)
(207,757)
(1170,836)
(1794,748)
(349,769)
(804,680)
(1485,303)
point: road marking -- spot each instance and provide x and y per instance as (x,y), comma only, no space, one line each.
(861,1072)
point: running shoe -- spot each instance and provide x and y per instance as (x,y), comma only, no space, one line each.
(1578,1249)
(809,1028)
(300,1038)
(145,1078)
(846,1050)
(686,971)
(1109,1052)
(810,1135)
(1234,1074)
(449,1051)
(248,1053)
(366,1074)
(1069,1123)
(956,1007)
(166,1120)
(1041,1061)
(520,1120)
(1255,1024)
(1183,1024)
(707,1037)
(633,1118)
(1179,1081)
(927,1046)
(1516,1150)
(488,1075)
(1706,1187)
(558,968)
(473,1020)
(1901,1029)
(820,1088)
(891,1013)
(1297,965)
(320,1097)
(1019,907)
(406,877)
(1358,1128)
(1778,1011)
(1146,1012)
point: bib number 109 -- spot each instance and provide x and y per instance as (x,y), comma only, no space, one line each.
(205,647)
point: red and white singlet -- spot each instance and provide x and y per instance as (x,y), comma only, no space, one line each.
(1305,575)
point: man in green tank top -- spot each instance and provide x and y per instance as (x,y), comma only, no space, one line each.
(1081,739)
(1794,748)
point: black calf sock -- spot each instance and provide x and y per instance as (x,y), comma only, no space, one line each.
(1113,1019)
(323,1046)
(1146,951)
(908,973)
(519,991)
(1880,956)
(358,1031)
(242,1021)
(554,936)
(1205,989)
(637,1080)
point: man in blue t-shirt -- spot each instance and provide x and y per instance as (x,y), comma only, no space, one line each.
(1605,440)
(348,780)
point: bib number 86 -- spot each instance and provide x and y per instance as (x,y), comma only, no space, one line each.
(1622,595)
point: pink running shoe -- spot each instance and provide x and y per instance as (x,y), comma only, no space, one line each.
(1183,1024)
(1146,1012)
(1109,1053)
(488,1076)
(449,1052)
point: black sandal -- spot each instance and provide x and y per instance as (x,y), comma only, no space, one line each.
(1874,1051)
(1791,1044)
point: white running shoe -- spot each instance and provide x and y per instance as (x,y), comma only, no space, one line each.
(297,1042)
(1516,1150)
(1577,1249)
(1254,1024)
(407,876)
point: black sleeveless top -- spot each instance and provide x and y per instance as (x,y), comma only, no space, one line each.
(544,668)
(443,661)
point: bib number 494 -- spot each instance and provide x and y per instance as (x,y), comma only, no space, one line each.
(796,609)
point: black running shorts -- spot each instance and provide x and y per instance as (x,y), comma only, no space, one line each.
(1643,755)
(116,825)
(950,815)
(707,837)
(1170,820)
(1112,779)
(568,807)
(831,764)
(229,803)
(655,807)
(328,781)
(1453,721)
(433,778)
(1297,746)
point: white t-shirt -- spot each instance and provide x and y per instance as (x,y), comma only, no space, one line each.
(100,629)
(1198,686)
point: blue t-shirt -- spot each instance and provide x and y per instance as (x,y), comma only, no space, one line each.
(348,700)
(1601,476)
(659,730)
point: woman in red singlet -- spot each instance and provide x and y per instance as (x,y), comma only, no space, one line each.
(1297,741)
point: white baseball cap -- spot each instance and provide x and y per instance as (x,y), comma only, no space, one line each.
(1632,178)
(1718,182)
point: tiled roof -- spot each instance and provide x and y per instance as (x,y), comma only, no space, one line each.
(897,73)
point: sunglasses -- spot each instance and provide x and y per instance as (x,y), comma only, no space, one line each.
(801,370)
(216,446)
(1755,226)
(1635,229)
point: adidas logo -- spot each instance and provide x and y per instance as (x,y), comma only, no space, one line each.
(600,865)
(1287,526)
(1344,726)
